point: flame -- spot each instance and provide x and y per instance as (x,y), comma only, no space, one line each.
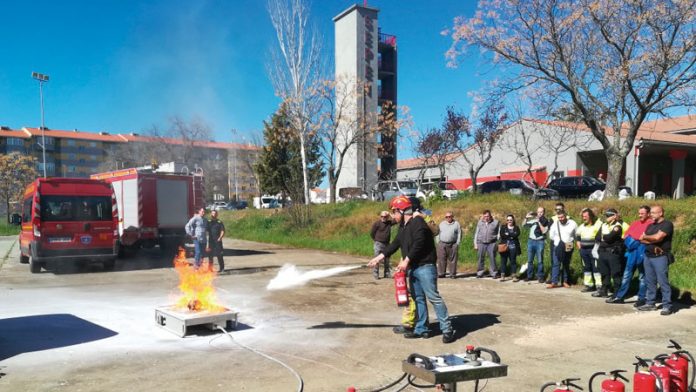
(196,286)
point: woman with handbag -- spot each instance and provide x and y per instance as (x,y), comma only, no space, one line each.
(509,248)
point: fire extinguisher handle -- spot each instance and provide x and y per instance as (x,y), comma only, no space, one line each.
(569,382)
(617,374)
(674,345)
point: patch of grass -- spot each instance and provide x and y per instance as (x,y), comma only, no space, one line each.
(345,227)
(8,229)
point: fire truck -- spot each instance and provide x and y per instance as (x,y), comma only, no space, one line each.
(154,204)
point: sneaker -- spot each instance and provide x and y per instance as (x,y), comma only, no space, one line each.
(453,276)
(553,286)
(541,280)
(387,275)
(600,294)
(413,335)
(614,300)
(639,303)
(400,329)
(516,279)
(588,289)
(664,312)
(647,308)
(448,337)
(441,276)
(479,276)
(503,278)
(495,276)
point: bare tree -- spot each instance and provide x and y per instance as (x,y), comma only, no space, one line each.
(341,125)
(295,67)
(615,62)
(476,140)
(435,149)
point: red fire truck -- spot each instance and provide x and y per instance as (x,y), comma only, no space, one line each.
(154,204)
(68,220)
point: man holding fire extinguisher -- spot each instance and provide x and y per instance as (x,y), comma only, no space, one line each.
(415,240)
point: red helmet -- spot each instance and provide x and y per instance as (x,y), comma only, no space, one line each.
(401,203)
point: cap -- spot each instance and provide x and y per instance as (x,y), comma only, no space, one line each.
(611,212)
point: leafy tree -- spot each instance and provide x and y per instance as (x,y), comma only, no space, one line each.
(611,63)
(16,172)
(279,165)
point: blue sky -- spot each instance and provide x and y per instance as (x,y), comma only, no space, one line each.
(124,66)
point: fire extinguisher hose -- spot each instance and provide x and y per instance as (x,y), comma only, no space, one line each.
(300,386)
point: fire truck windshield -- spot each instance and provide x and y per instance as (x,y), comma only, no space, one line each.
(75,208)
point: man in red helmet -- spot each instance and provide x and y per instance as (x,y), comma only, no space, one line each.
(415,239)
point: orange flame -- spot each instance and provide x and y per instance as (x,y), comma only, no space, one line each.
(196,285)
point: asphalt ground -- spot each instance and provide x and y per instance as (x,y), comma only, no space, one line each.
(85,329)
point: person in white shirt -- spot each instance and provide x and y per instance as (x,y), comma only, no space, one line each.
(562,236)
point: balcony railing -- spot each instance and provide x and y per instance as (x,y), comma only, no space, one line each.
(387,39)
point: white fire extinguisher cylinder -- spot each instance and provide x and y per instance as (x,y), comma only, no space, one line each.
(401,288)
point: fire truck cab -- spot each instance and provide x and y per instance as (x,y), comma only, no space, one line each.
(68,220)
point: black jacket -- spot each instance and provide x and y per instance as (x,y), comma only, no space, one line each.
(508,234)
(416,242)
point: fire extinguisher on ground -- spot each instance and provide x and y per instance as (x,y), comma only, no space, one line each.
(401,288)
(678,364)
(612,384)
(562,386)
(663,371)
(644,379)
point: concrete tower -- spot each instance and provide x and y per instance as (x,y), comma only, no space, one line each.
(356,59)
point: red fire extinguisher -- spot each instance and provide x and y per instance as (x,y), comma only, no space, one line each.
(644,379)
(401,288)
(562,386)
(612,384)
(678,364)
(663,371)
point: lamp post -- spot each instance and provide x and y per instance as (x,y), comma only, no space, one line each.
(42,79)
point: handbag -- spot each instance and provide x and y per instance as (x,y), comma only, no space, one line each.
(502,248)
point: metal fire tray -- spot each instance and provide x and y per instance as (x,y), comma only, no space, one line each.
(178,321)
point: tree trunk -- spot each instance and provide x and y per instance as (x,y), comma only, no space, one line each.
(333,181)
(615,162)
(472,175)
(303,154)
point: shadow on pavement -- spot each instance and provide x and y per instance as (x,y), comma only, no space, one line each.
(343,324)
(245,252)
(464,324)
(46,331)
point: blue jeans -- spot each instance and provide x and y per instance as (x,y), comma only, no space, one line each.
(633,262)
(199,251)
(656,269)
(423,281)
(561,259)
(535,247)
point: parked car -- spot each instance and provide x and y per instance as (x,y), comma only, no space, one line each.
(351,193)
(576,186)
(237,205)
(385,190)
(218,205)
(518,187)
(448,190)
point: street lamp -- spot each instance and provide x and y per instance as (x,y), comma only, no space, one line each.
(42,79)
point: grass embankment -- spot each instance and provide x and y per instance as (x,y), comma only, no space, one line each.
(345,227)
(8,229)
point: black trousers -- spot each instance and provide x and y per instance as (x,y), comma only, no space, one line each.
(611,265)
(216,250)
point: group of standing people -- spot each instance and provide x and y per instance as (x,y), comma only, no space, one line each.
(207,238)
(611,251)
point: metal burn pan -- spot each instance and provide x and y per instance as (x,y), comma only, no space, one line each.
(178,321)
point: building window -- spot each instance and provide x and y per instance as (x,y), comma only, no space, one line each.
(82,161)
(50,141)
(71,142)
(15,141)
(72,157)
(93,144)
(93,157)
(71,169)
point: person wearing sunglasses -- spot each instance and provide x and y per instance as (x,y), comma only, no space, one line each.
(509,236)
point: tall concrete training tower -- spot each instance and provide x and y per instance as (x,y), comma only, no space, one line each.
(363,53)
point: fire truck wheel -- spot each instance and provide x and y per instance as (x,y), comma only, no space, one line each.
(109,265)
(23,259)
(34,267)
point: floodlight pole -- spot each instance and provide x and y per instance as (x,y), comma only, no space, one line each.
(42,78)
